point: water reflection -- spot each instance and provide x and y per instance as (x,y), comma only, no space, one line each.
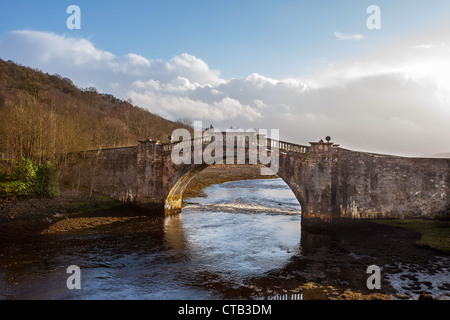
(200,254)
(213,252)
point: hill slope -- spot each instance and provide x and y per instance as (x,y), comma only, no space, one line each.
(42,116)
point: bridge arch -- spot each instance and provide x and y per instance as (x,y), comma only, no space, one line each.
(237,148)
(174,200)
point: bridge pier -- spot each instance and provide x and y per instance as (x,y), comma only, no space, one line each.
(174,200)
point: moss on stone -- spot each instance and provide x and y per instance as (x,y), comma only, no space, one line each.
(434,233)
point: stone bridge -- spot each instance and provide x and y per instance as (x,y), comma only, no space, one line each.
(329,182)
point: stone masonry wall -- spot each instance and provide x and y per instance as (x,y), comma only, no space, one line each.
(368,185)
(328,181)
(111,172)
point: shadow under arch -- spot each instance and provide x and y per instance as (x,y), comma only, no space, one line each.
(174,200)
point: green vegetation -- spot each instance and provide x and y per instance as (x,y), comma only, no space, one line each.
(435,233)
(46,182)
(28,179)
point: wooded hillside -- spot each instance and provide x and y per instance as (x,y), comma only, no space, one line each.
(43,116)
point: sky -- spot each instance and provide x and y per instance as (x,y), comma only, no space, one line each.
(308,68)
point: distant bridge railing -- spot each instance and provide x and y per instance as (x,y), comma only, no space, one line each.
(291,147)
(206,140)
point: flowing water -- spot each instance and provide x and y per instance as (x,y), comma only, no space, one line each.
(243,234)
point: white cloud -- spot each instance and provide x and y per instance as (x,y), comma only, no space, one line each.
(169,106)
(344,36)
(82,62)
(50,46)
(137,60)
(395,100)
(194,69)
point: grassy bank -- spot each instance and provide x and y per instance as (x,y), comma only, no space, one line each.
(434,233)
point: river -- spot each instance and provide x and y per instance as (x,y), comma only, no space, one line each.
(242,240)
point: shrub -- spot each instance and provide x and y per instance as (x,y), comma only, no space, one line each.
(30,180)
(24,172)
(3,177)
(46,183)
(11,189)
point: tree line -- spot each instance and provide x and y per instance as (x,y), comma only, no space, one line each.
(43,117)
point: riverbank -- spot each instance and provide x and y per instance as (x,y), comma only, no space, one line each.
(75,210)
(334,261)
(434,233)
(72,210)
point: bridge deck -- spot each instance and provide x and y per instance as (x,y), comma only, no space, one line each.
(268,143)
